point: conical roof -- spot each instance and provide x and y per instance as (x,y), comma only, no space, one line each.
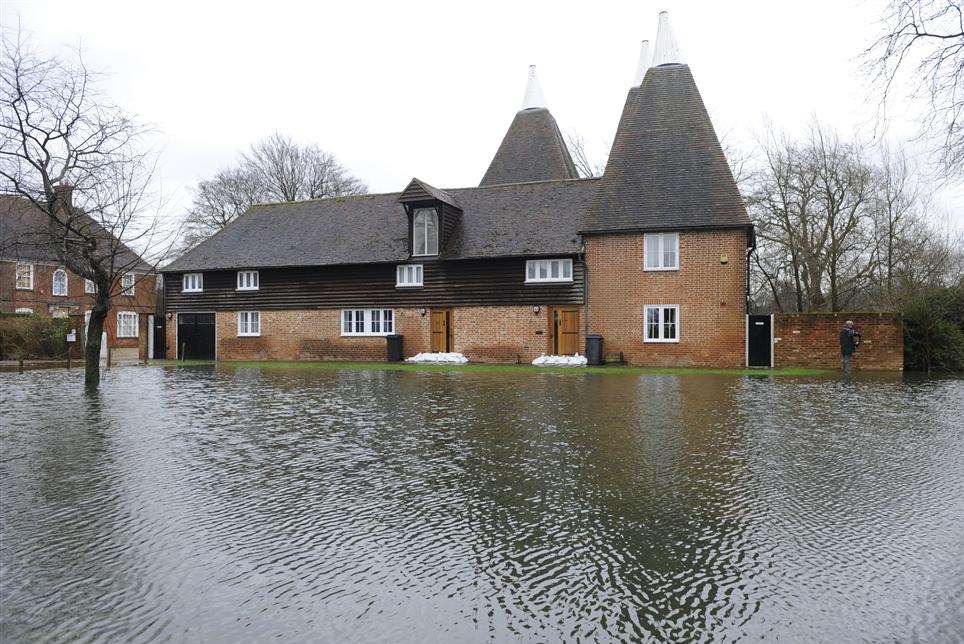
(666,169)
(533,148)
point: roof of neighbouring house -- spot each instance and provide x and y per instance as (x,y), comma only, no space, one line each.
(535,218)
(666,169)
(26,234)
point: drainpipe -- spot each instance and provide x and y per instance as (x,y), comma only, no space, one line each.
(749,251)
(585,296)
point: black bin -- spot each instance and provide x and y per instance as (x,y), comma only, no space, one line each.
(594,349)
(394,347)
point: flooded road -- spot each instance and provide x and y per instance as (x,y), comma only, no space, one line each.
(240,504)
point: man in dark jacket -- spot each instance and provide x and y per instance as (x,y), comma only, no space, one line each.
(849,341)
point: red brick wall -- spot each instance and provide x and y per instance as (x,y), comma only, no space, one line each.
(43,302)
(711,296)
(812,340)
(483,334)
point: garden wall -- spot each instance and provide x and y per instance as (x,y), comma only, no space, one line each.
(812,340)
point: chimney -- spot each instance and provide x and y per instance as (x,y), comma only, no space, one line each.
(667,51)
(63,200)
(533,98)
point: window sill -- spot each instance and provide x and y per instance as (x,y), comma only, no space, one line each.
(646,341)
(127,337)
(247,289)
(409,286)
(543,282)
(183,291)
(367,335)
(24,288)
(249,335)
(660,270)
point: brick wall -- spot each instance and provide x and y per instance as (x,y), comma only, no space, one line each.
(711,296)
(483,334)
(812,340)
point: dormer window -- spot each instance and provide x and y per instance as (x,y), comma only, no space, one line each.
(425,232)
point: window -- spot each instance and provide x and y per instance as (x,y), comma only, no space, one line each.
(549,270)
(89,286)
(25,277)
(127,324)
(249,323)
(60,282)
(127,282)
(409,275)
(425,232)
(661,251)
(24,311)
(367,321)
(247,280)
(192,283)
(662,323)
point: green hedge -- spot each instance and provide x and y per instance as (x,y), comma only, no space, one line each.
(934,330)
(32,336)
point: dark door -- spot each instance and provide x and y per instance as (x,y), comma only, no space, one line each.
(441,321)
(195,336)
(160,338)
(565,332)
(760,341)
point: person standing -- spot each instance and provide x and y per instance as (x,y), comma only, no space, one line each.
(849,341)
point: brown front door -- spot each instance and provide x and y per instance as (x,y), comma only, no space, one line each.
(565,332)
(441,324)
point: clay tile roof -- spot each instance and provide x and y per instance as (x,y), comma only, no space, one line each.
(538,218)
(666,169)
(532,150)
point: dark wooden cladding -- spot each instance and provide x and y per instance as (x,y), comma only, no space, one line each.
(487,282)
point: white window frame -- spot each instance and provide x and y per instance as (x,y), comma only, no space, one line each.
(662,239)
(197,285)
(249,324)
(53,283)
(137,324)
(360,322)
(402,272)
(248,281)
(89,286)
(29,276)
(127,289)
(661,322)
(433,213)
(536,267)
(23,310)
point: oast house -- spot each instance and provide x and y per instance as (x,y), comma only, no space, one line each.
(652,256)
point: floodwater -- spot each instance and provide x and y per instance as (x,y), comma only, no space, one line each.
(224,504)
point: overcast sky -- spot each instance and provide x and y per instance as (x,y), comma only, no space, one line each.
(427,89)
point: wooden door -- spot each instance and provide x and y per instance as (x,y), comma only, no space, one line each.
(441,321)
(565,332)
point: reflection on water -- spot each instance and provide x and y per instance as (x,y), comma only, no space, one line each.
(217,504)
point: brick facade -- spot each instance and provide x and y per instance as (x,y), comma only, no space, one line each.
(711,296)
(812,340)
(506,334)
(41,300)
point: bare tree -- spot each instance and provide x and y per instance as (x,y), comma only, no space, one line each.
(80,161)
(922,48)
(586,165)
(274,169)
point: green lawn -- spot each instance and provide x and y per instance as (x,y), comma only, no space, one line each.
(493,368)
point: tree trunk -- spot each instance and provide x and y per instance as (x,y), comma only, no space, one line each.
(95,329)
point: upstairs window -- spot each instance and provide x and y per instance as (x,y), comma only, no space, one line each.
(249,323)
(548,270)
(127,326)
(409,275)
(60,282)
(662,323)
(247,280)
(127,283)
(661,252)
(25,277)
(367,321)
(192,283)
(89,286)
(425,232)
